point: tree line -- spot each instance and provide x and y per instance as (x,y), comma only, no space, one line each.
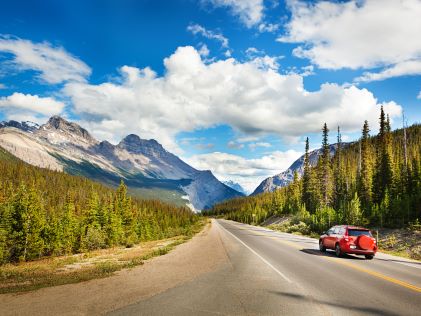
(374,181)
(50,213)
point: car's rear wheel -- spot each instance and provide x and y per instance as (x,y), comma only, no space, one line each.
(369,257)
(338,251)
(322,248)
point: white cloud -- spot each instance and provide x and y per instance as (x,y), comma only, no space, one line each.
(253,146)
(198,29)
(419,95)
(19,106)
(247,172)
(266,62)
(268,27)
(250,12)
(307,71)
(405,68)
(2,86)
(357,34)
(233,145)
(194,95)
(54,64)
(247,139)
(205,146)
(204,50)
(261,59)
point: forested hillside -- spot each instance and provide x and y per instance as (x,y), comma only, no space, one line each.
(375,181)
(44,213)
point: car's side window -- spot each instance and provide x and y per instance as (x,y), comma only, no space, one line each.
(335,230)
(341,231)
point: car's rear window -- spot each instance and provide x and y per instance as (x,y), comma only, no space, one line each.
(358,232)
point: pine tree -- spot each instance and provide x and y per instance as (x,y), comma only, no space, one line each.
(27,225)
(68,226)
(325,172)
(366,174)
(383,176)
(340,189)
(307,187)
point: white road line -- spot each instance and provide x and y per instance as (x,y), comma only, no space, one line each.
(259,256)
(409,264)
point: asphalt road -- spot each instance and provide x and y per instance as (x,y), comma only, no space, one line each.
(271,273)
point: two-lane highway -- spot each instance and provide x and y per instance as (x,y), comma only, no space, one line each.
(272,273)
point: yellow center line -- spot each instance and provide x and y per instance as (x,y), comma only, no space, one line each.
(350,265)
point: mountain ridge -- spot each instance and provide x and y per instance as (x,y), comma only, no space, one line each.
(143,164)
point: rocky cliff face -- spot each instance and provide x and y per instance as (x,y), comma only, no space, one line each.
(63,145)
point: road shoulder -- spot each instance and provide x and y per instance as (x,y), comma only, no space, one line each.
(202,254)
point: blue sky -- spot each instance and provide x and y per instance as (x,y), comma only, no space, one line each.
(231,86)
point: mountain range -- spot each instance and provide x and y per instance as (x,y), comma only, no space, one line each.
(284,178)
(146,167)
(236,186)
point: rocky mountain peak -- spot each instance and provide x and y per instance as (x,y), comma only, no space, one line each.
(60,124)
(135,144)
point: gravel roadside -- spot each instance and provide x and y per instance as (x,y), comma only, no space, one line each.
(202,254)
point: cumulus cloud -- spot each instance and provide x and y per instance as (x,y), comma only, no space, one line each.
(194,95)
(20,107)
(54,64)
(357,34)
(198,29)
(247,172)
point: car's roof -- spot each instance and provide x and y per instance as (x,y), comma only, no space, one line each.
(352,227)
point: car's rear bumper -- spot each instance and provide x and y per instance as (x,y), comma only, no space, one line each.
(359,251)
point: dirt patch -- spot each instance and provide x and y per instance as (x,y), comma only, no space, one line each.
(203,253)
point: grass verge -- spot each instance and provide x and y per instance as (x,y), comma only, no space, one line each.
(101,263)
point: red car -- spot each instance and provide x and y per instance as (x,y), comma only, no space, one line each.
(349,239)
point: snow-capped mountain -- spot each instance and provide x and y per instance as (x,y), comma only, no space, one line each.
(143,164)
(284,178)
(236,186)
(26,126)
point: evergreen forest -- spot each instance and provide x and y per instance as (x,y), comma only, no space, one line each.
(375,182)
(50,213)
